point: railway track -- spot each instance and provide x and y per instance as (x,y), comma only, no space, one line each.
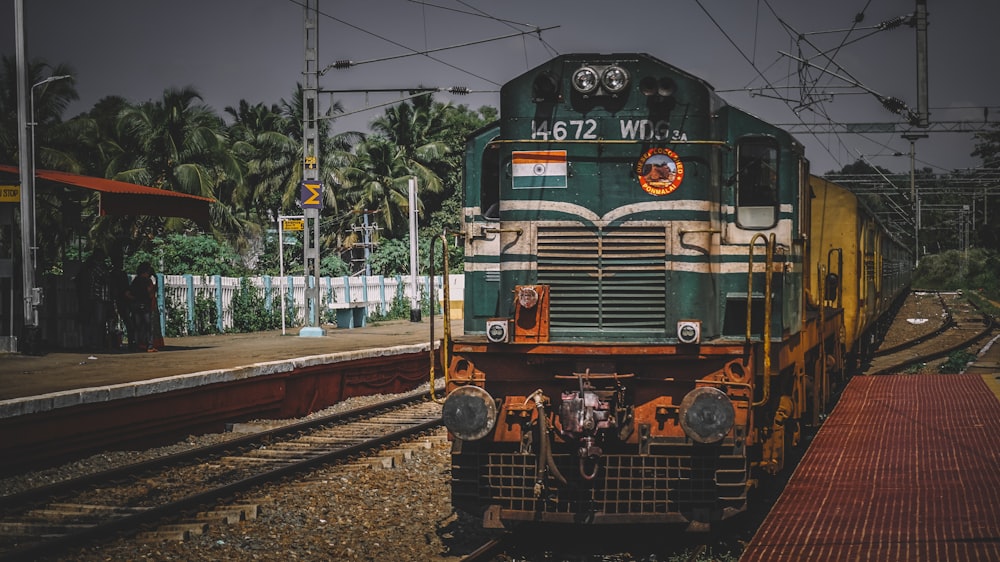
(961,325)
(50,519)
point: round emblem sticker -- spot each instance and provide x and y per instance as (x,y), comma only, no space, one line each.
(660,171)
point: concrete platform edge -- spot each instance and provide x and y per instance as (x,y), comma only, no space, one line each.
(64,399)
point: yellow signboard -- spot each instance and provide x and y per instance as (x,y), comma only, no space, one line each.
(10,193)
(292,224)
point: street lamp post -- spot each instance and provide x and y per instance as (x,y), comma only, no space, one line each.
(29,248)
(31,158)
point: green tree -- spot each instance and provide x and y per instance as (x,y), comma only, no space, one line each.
(261,137)
(50,101)
(988,149)
(408,144)
(59,211)
(197,254)
(183,147)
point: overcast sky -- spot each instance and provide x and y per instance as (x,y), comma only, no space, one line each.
(230,50)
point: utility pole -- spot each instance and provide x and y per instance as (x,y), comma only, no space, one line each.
(312,189)
(415,295)
(31,295)
(914,198)
(366,230)
(923,112)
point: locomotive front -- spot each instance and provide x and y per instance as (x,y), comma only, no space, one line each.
(614,315)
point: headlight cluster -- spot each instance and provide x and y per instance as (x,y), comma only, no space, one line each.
(590,80)
(707,415)
(663,87)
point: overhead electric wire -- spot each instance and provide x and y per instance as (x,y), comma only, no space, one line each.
(396,43)
(439,49)
(477,13)
(757,70)
(535,29)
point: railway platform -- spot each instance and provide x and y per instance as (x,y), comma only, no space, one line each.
(905,468)
(30,376)
(65,402)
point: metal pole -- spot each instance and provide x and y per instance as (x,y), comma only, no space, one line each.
(28,292)
(281,269)
(914,198)
(33,125)
(368,245)
(923,111)
(913,201)
(415,295)
(310,166)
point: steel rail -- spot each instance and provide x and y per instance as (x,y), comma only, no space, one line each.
(58,488)
(195,500)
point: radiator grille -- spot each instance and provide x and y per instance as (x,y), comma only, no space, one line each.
(611,278)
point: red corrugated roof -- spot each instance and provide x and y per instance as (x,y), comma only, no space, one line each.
(122,198)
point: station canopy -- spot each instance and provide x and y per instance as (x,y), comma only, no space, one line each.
(122,198)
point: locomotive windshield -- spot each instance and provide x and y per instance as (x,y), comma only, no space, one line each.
(757,183)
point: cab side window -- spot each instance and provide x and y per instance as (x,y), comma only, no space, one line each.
(757,183)
(489,195)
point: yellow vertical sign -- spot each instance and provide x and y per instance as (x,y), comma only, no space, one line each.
(10,194)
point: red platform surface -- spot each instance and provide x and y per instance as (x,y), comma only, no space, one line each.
(906,468)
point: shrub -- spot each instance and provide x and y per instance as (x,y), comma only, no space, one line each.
(399,308)
(957,360)
(176,314)
(206,315)
(249,312)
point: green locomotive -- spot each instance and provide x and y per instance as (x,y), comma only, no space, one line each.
(646,326)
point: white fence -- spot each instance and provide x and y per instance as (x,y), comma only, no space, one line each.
(377,292)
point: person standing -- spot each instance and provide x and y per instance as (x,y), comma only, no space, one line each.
(119,285)
(141,294)
(95,299)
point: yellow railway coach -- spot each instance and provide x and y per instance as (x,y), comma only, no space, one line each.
(862,268)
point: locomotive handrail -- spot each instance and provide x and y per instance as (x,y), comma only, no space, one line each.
(768,262)
(445,314)
(492,230)
(682,232)
(821,390)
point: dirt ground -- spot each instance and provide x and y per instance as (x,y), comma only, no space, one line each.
(920,314)
(920,305)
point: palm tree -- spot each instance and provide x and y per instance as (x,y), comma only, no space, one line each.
(376,180)
(261,137)
(333,148)
(59,211)
(408,144)
(419,129)
(183,147)
(50,101)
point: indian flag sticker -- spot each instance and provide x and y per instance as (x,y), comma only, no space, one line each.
(539,168)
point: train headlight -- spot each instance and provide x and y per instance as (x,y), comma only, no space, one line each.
(527,297)
(469,413)
(614,79)
(497,330)
(707,414)
(585,80)
(689,331)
